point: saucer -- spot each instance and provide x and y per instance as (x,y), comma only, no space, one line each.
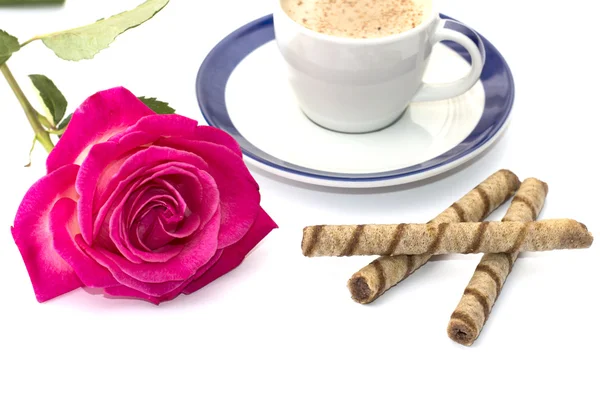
(242,88)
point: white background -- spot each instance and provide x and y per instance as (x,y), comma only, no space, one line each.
(284,324)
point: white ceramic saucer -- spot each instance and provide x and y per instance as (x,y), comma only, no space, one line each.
(242,88)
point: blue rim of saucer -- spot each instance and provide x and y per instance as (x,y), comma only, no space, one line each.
(214,73)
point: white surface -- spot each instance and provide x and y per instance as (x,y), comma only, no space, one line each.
(283,324)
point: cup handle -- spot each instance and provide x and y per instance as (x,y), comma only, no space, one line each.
(465,37)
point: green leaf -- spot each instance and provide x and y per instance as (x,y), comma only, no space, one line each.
(8,45)
(86,41)
(53,99)
(159,107)
(65,122)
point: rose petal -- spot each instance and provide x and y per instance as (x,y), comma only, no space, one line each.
(100,117)
(197,251)
(142,227)
(157,194)
(239,192)
(110,261)
(147,131)
(186,228)
(118,233)
(153,236)
(200,193)
(64,228)
(120,147)
(152,158)
(132,293)
(158,126)
(218,136)
(106,159)
(50,275)
(234,255)
(150,232)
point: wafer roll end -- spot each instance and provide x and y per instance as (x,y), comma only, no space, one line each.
(360,289)
(588,237)
(575,234)
(310,236)
(545,185)
(512,178)
(534,181)
(462,332)
(512,182)
(366,285)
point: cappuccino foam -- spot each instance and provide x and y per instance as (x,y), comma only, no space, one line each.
(357,18)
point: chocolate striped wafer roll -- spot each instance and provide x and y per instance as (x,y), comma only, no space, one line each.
(483,290)
(373,280)
(445,238)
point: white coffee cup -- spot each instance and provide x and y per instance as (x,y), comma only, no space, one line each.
(358,85)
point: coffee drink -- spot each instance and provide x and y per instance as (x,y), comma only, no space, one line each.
(358,18)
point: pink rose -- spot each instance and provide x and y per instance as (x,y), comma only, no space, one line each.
(138,204)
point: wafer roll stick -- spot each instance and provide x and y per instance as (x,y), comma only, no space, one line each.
(373,280)
(485,286)
(445,238)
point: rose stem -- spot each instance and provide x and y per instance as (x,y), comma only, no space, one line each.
(41,134)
